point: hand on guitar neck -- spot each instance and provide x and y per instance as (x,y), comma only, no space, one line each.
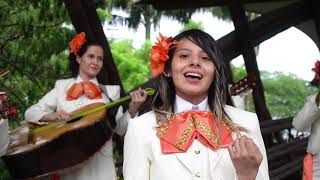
(138,97)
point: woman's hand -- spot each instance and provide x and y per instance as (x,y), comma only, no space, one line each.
(246,157)
(56,116)
(138,97)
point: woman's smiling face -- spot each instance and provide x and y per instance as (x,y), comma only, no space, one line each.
(192,71)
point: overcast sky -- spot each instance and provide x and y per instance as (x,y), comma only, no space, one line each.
(290,51)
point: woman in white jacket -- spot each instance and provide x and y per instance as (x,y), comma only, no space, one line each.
(308,120)
(191,133)
(86,61)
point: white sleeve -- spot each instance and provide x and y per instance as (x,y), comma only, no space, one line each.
(122,121)
(136,165)
(263,173)
(47,104)
(121,117)
(308,114)
(4,137)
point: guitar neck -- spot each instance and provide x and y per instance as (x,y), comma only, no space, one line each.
(106,106)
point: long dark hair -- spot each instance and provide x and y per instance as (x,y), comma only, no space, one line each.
(217,95)
(73,64)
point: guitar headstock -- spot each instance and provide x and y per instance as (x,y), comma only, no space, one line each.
(247,83)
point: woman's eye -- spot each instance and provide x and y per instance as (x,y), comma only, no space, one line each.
(205,58)
(183,56)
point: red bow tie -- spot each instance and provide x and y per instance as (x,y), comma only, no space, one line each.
(177,134)
(91,90)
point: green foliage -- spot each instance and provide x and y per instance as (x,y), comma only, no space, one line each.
(104,15)
(222,13)
(284,94)
(33,40)
(192,25)
(238,72)
(133,64)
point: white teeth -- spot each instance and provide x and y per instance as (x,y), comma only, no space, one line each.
(193,74)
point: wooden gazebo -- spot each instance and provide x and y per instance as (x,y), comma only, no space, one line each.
(285,158)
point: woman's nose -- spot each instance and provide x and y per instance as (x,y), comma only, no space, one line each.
(195,61)
(95,60)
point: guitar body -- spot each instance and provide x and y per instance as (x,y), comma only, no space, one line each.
(58,148)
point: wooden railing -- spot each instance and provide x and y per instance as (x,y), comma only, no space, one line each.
(285,158)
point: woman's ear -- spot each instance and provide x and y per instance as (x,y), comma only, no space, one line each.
(78,58)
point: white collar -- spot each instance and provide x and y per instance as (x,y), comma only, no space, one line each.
(181,105)
(94,80)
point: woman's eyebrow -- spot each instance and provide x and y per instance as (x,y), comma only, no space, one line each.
(183,49)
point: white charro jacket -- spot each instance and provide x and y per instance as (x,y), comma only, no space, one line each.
(143,159)
(308,119)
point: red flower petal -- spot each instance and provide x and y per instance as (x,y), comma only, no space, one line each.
(76,43)
(159,54)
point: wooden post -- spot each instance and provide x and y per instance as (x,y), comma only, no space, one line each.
(314,6)
(244,44)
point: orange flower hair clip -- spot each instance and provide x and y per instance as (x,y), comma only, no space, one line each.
(316,69)
(159,54)
(76,43)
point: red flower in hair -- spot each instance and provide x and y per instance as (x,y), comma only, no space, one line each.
(316,69)
(76,43)
(159,54)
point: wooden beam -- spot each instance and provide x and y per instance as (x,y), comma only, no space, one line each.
(244,43)
(267,26)
(273,126)
(314,6)
(192,4)
(287,169)
(287,148)
(78,17)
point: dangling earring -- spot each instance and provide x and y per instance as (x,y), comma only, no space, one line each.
(166,75)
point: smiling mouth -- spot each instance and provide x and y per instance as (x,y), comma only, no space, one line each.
(193,75)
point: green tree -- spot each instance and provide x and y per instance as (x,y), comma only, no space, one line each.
(133,64)
(146,14)
(285,94)
(192,25)
(33,40)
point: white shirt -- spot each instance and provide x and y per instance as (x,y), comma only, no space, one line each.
(181,105)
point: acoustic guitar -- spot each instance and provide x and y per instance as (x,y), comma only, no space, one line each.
(37,151)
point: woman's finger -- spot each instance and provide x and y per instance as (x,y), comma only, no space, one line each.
(236,146)
(231,150)
(242,144)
